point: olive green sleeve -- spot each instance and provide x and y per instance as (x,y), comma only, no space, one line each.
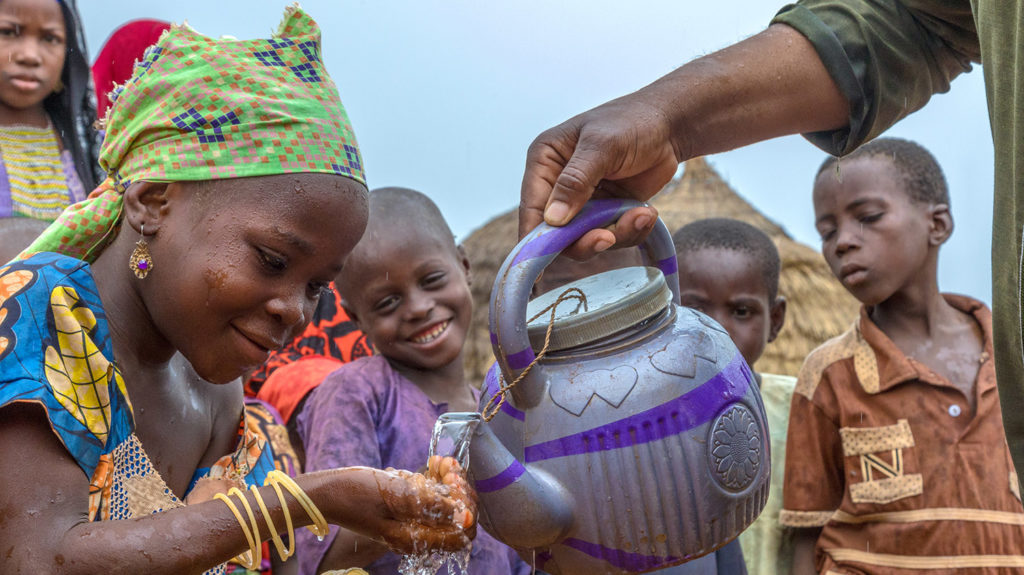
(886,57)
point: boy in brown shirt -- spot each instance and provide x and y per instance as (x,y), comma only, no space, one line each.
(896,461)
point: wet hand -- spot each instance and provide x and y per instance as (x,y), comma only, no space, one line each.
(448,472)
(413,512)
(620,149)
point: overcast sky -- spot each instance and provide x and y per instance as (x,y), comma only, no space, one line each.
(446,95)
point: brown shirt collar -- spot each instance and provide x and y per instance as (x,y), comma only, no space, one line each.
(893,367)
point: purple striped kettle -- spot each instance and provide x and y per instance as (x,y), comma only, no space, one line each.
(638,441)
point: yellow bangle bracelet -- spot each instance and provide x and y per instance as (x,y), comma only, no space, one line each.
(319,527)
(284,552)
(256,548)
(255,552)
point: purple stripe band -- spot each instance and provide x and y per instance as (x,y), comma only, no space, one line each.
(673,417)
(593,216)
(494,338)
(633,562)
(521,359)
(668,266)
(492,388)
(6,201)
(510,475)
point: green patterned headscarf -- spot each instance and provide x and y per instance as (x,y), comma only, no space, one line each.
(198,108)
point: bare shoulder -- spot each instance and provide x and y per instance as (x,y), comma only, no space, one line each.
(26,434)
(35,510)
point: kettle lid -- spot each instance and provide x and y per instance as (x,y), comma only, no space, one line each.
(615,300)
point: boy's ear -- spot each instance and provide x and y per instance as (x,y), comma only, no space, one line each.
(464,260)
(777,316)
(941,224)
(145,203)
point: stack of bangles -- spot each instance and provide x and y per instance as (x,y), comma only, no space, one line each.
(252,558)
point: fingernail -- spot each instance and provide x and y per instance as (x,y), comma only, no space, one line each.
(602,245)
(464,518)
(641,222)
(556,213)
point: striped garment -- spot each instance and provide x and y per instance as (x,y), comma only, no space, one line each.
(37,179)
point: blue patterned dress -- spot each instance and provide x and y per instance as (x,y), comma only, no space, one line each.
(56,351)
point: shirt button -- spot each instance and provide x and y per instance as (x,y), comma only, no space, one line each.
(954,410)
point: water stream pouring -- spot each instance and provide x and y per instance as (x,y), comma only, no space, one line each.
(638,440)
(452,434)
(450,438)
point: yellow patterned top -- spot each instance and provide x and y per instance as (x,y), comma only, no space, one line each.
(37,180)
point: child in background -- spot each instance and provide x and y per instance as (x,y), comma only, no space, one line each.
(406,285)
(729,270)
(48,147)
(896,460)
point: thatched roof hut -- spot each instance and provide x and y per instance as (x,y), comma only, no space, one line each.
(818,306)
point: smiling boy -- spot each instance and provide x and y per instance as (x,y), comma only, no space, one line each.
(896,458)
(406,285)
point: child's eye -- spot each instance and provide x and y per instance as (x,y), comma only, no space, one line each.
(51,39)
(271,261)
(870,218)
(386,305)
(8,32)
(826,235)
(742,312)
(434,279)
(693,305)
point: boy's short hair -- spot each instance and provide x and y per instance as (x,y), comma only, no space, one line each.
(729,234)
(921,172)
(403,206)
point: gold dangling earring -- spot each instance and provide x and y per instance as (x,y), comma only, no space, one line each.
(141,262)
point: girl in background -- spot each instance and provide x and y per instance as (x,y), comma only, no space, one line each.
(48,146)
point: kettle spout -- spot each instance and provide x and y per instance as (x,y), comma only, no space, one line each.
(520,506)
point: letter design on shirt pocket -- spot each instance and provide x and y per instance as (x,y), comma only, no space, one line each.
(881,462)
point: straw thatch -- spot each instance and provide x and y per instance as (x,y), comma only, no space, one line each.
(818,306)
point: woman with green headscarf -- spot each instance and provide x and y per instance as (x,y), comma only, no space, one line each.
(235,191)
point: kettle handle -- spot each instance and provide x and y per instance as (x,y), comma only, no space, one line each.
(523,266)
